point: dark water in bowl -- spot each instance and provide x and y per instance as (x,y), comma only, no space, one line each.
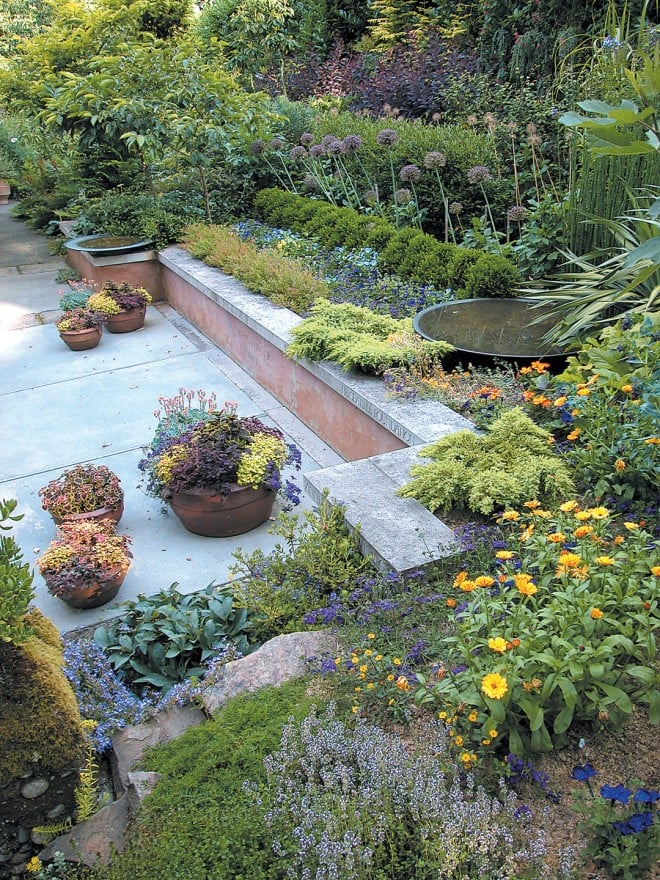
(506,328)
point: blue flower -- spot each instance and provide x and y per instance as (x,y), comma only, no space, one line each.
(583,773)
(616,793)
(635,824)
(646,797)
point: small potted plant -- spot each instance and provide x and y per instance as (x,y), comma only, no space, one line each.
(85,491)
(86,563)
(124,305)
(219,472)
(80,328)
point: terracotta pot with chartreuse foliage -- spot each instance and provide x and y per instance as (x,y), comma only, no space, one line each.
(123,305)
(80,328)
(219,472)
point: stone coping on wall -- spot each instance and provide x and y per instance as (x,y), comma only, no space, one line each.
(399,533)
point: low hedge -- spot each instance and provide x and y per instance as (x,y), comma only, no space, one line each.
(408,253)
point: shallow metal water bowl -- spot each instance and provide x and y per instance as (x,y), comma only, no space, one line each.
(103,245)
(489,329)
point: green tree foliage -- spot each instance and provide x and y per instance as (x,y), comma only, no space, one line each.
(16,589)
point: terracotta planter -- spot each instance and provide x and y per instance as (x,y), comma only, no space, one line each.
(126,322)
(95,593)
(112,514)
(5,192)
(81,340)
(218,516)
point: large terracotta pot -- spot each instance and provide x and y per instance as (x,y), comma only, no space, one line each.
(95,593)
(113,514)
(81,340)
(125,322)
(221,516)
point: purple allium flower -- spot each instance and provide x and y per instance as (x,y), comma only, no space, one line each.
(616,793)
(306,139)
(403,196)
(387,137)
(257,147)
(298,153)
(335,146)
(351,143)
(316,151)
(435,160)
(517,213)
(478,174)
(455,208)
(370,197)
(410,173)
(327,140)
(277,143)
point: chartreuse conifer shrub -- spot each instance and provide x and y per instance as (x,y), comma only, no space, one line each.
(356,337)
(511,463)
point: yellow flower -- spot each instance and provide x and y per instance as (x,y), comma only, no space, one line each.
(368,652)
(390,677)
(620,464)
(467,586)
(631,526)
(494,685)
(583,515)
(557,537)
(599,512)
(379,657)
(458,741)
(509,516)
(652,441)
(396,661)
(627,388)
(504,554)
(583,531)
(371,636)
(473,717)
(337,661)
(371,686)
(465,758)
(583,392)
(574,434)
(442,715)
(569,560)
(355,659)
(484,581)
(656,570)
(485,742)
(34,865)
(355,709)
(560,401)
(524,584)
(604,560)
(568,506)
(460,577)
(497,644)
(363,667)
(596,613)
(357,689)
(492,733)
(533,504)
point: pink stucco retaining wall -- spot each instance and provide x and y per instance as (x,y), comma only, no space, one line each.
(338,422)
(145,272)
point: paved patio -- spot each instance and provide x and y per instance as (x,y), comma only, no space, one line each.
(59,408)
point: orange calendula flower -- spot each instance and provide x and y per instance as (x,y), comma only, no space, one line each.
(596,613)
(533,504)
(570,560)
(527,396)
(504,554)
(494,685)
(652,441)
(524,584)
(656,570)
(620,464)
(604,560)
(539,366)
(556,537)
(497,644)
(627,388)
(515,643)
(568,506)
(460,577)
(467,586)
(402,683)
(574,434)
(484,581)
(583,531)
(618,540)
(451,603)
(509,516)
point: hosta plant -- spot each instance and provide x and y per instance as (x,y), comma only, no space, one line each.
(559,630)
(163,639)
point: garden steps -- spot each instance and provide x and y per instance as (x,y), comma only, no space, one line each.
(379,436)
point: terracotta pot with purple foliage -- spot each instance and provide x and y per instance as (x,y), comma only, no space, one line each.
(80,329)
(123,305)
(219,472)
(86,563)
